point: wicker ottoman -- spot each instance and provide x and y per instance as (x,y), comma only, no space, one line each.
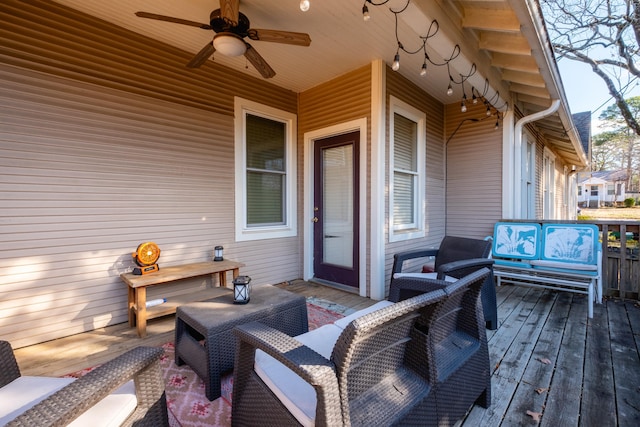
(204,339)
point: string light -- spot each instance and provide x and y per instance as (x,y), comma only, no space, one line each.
(304,5)
(365,13)
(365,9)
(396,62)
(459,79)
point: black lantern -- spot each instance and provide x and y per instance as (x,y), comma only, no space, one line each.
(217,253)
(241,289)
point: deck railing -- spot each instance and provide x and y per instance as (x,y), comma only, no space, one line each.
(621,258)
(620,255)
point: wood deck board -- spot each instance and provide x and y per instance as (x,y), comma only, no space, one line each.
(537,375)
(598,398)
(626,366)
(563,403)
(593,378)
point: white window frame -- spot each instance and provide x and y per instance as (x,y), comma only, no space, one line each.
(416,229)
(289,228)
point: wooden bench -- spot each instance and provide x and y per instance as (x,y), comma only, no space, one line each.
(137,295)
(566,257)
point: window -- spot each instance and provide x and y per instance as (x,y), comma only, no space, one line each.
(579,190)
(528,176)
(265,171)
(610,190)
(594,191)
(406,171)
(549,182)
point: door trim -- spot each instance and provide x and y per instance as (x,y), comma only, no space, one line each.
(309,139)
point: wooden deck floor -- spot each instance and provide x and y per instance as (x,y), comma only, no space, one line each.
(547,357)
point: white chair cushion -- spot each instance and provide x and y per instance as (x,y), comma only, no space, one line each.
(343,322)
(112,411)
(25,392)
(298,396)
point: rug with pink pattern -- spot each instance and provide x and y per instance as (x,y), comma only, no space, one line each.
(187,404)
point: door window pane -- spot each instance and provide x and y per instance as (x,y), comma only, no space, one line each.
(337,197)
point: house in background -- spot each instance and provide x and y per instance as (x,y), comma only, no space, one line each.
(323,171)
(602,188)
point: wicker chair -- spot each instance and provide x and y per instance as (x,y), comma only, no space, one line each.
(378,370)
(456,258)
(142,364)
(456,343)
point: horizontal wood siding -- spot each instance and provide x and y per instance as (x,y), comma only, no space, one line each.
(49,37)
(106,141)
(474,172)
(340,100)
(435,221)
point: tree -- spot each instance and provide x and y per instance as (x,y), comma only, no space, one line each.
(603,157)
(617,147)
(604,34)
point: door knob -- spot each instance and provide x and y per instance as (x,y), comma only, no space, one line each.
(315,219)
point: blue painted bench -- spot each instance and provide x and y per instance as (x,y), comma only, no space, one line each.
(565,257)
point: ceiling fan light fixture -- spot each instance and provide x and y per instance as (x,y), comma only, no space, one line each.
(229,44)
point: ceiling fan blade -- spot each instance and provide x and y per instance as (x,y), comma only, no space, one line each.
(230,10)
(172,19)
(276,36)
(202,56)
(258,62)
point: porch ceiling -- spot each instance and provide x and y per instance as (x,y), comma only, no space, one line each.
(500,37)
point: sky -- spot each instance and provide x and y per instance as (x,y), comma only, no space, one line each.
(585,91)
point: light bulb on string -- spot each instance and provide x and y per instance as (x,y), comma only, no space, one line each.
(304,5)
(365,13)
(396,62)
(488,111)
(423,70)
(449,90)
(463,107)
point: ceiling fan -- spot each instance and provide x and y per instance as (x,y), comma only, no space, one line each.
(231,28)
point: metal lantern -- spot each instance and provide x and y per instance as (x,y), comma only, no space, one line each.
(241,289)
(217,253)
